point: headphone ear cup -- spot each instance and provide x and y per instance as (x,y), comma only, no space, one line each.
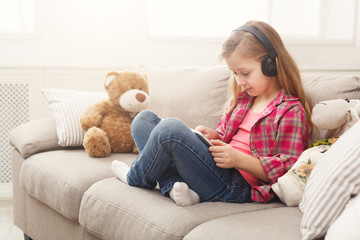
(268,66)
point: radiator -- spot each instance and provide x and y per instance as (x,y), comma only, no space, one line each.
(14,110)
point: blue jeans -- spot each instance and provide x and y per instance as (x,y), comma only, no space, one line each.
(170,152)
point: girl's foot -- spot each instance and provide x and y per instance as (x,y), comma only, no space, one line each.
(183,195)
(120,170)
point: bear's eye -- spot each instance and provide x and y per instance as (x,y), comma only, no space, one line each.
(132,87)
(140,88)
(347,100)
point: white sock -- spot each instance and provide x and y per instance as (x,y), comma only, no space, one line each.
(183,195)
(120,170)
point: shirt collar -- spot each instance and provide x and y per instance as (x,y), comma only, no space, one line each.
(283,96)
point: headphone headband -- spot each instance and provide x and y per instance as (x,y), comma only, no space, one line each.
(262,38)
(268,64)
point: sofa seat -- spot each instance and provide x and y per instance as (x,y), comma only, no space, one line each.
(60,178)
(266,224)
(111,209)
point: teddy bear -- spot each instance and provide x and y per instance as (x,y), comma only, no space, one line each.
(107,124)
(335,116)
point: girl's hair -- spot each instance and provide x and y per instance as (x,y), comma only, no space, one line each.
(249,46)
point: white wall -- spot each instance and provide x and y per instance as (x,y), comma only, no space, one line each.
(99,33)
(114,33)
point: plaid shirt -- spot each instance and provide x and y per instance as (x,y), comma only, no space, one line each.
(277,139)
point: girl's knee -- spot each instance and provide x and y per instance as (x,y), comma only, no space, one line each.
(173,125)
(144,115)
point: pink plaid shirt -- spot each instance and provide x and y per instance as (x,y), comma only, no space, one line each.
(277,139)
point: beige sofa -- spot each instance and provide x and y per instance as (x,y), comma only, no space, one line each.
(62,193)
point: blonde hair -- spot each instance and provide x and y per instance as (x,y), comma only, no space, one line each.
(249,46)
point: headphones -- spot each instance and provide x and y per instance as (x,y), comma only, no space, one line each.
(268,64)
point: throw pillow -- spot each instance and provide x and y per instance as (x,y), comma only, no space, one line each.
(67,107)
(332,183)
(290,187)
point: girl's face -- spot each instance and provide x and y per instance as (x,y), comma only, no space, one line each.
(249,76)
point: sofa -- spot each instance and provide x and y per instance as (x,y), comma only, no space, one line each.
(59,192)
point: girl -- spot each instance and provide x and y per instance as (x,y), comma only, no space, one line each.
(265,127)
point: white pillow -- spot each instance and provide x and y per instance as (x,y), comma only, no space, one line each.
(331,184)
(347,225)
(67,106)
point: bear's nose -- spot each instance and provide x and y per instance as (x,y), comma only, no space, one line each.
(140,97)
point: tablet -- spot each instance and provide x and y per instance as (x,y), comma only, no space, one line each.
(202,138)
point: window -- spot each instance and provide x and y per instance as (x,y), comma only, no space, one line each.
(312,20)
(16,17)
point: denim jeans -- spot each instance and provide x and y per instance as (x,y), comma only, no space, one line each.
(170,152)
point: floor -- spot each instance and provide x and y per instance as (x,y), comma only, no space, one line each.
(8,231)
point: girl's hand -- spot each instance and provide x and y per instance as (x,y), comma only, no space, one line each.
(225,156)
(208,132)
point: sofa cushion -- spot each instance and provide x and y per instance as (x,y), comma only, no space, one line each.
(35,136)
(327,87)
(336,86)
(277,223)
(196,95)
(111,209)
(60,178)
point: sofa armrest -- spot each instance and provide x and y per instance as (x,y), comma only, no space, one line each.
(36,136)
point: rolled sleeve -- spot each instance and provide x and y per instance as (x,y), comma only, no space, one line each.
(291,140)
(276,167)
(220,129)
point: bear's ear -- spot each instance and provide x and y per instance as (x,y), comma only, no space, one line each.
(109,77)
